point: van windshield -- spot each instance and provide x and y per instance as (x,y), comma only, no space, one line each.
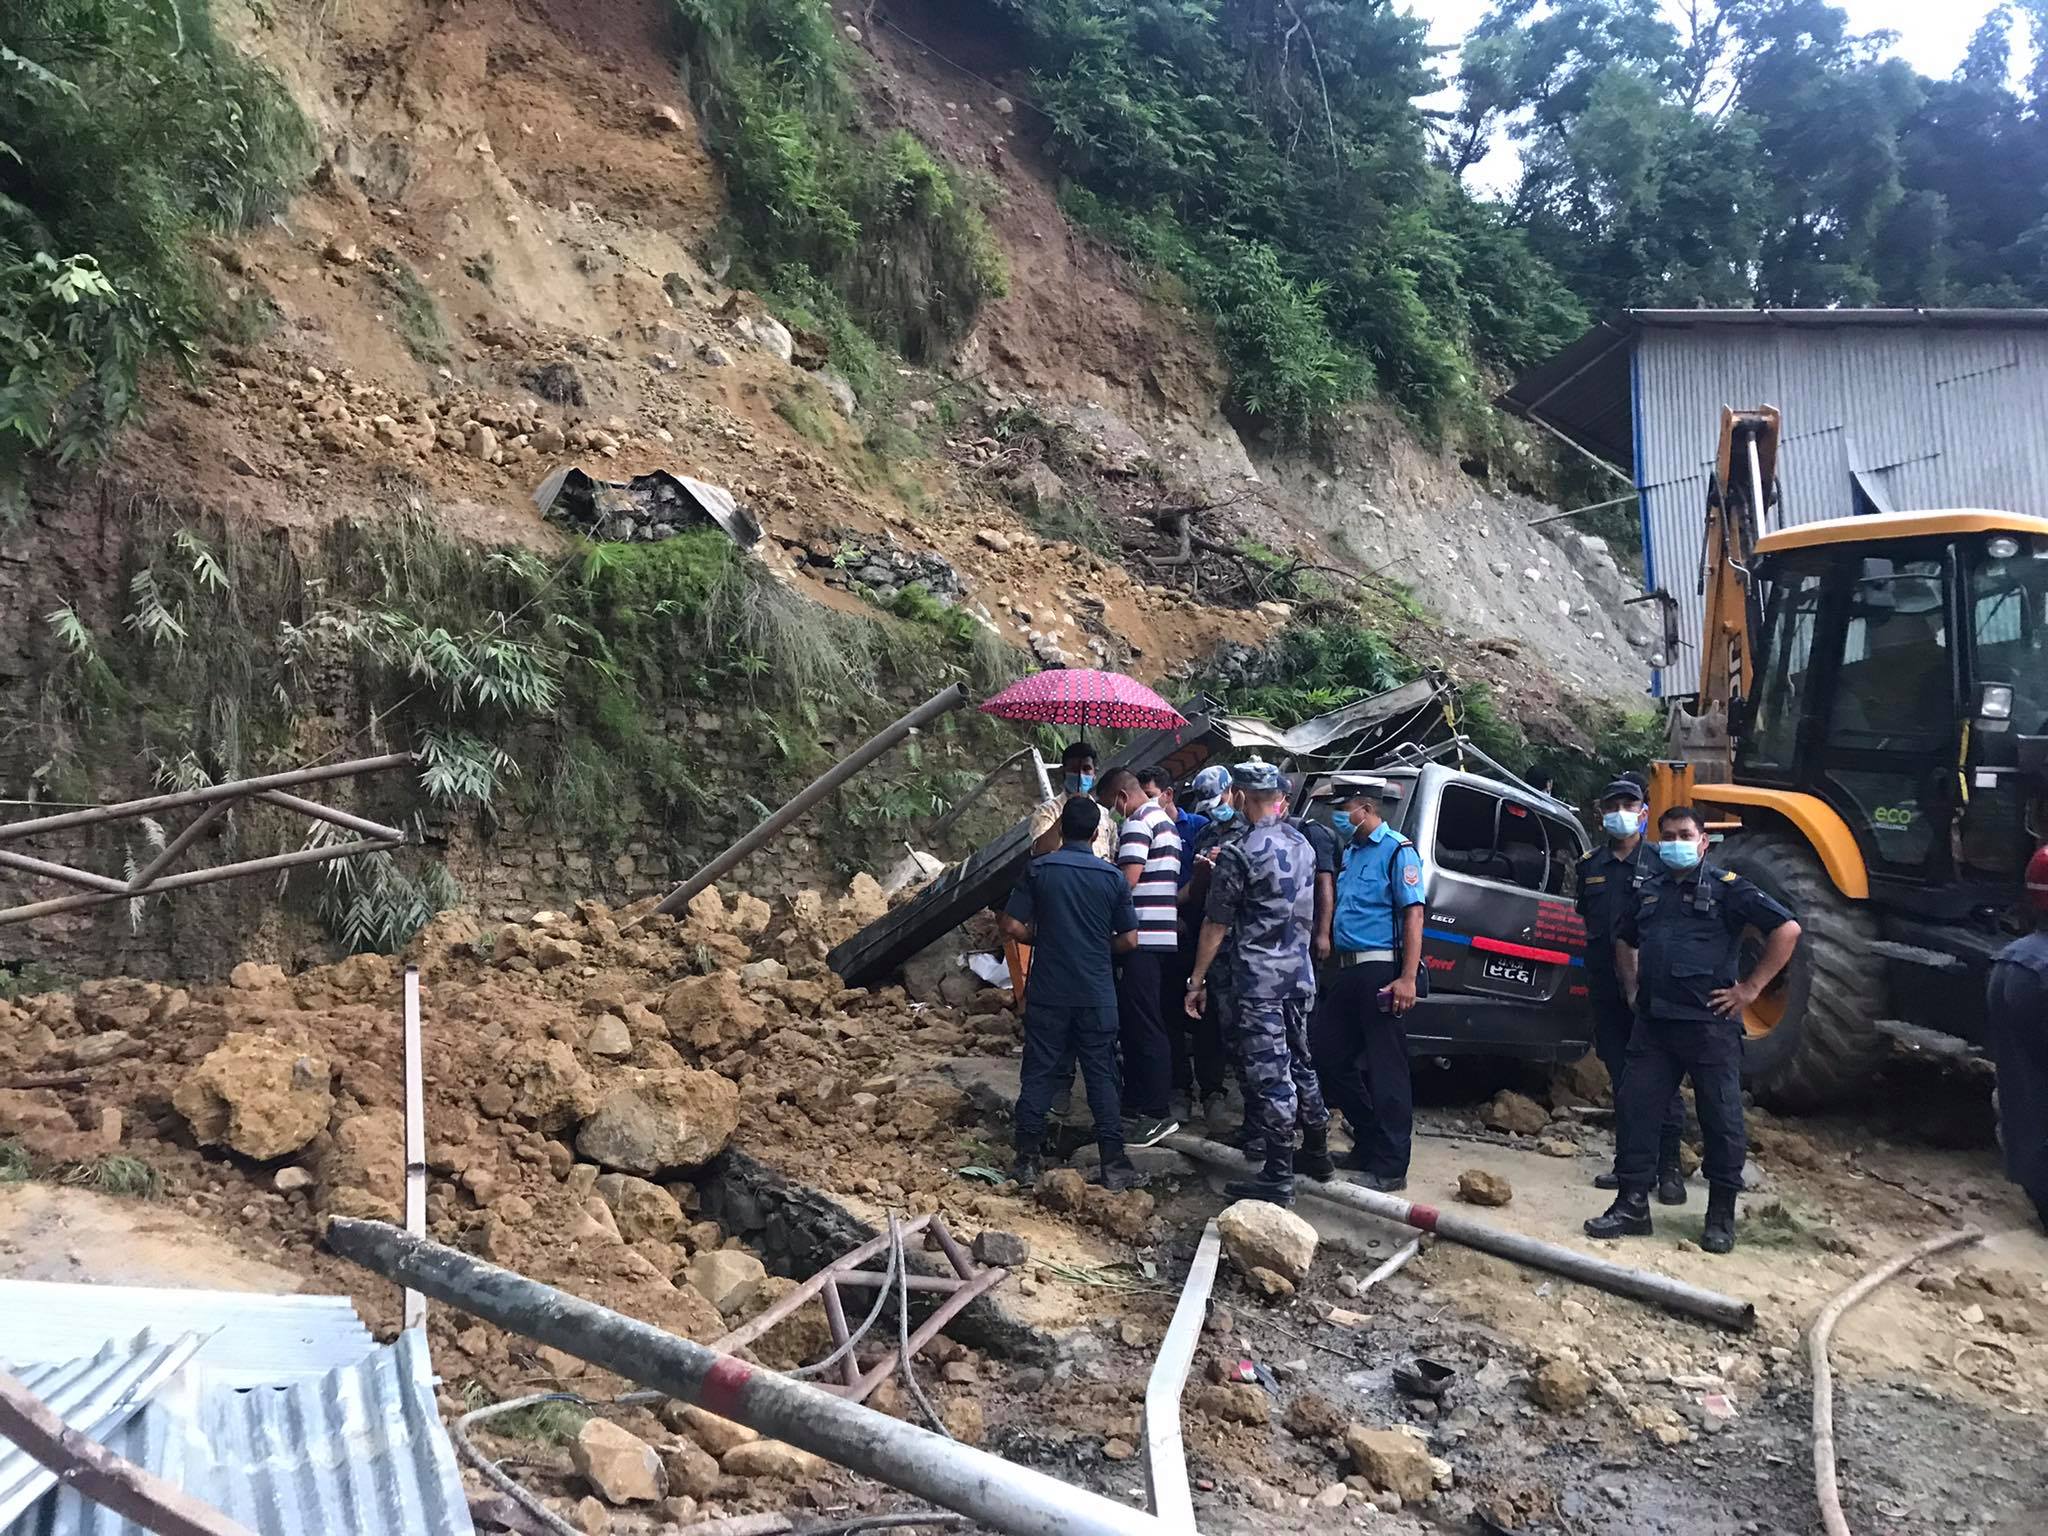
(2009,623)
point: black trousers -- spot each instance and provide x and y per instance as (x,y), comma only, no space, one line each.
(1613,1022)
(1148,1055)
(1198,1066)
(1661,1054)
(1361,1055)
(1054,1039)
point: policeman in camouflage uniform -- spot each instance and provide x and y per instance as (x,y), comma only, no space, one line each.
(1684,935)
(1262,895)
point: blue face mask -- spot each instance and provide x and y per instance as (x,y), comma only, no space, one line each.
(1622,823)
(1342,824)
(1080,783)
(1677,855)
(1222,811)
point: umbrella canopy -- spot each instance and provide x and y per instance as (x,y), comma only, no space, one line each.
(1078,696)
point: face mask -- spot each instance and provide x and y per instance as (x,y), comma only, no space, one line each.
(1677,855)
(1080,783)
(1342,824)
(1221,813)
(1622,823)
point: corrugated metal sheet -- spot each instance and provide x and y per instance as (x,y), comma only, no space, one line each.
(359,1450)
(252,1338)
(1924,410)
(94,1395)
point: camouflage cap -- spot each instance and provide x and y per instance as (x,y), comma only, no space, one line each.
(1208,785)
(1255,775)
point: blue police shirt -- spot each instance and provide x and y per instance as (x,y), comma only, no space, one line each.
(1189,825)
(1379,874)
(1078,904)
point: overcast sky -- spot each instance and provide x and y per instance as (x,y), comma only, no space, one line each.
(1932,37)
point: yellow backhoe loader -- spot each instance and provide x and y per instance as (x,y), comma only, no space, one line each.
(1870,738)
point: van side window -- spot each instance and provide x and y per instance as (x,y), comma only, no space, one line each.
(1482,835)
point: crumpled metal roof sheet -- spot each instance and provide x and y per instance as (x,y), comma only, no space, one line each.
(359,1450)
(95,1395)
(253,1338)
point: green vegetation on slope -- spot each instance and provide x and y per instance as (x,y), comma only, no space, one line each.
(572,692)
(127,127)
(892,239)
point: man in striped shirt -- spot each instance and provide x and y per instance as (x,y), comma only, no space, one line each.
(1148,853)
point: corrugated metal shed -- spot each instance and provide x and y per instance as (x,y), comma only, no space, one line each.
(359,1449)
(1884,411)
(94,1395)
(252,1338)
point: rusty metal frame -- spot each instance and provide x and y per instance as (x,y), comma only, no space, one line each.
(961,1289)
(213,800)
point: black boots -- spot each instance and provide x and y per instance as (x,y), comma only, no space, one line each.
(1607,1180)
(1671,1187)
(1030,1163)
(1120,1175)
(1629,1216)
(1274,1182)
(1313,1160)
(1719,1236)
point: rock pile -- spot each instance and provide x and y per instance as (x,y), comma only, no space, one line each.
(884,568)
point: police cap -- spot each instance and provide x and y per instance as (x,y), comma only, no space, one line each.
(1343,788)
(1207,787)
(1255,775)
(1622,789)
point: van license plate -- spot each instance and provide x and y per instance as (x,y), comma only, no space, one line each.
(1520,972)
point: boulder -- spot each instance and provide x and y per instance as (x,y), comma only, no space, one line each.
(1235,1402)
(712,1013)
(1392,1459)
(1562,1386)
(550,951)
(692,1470)
(619,1465)
(716,1435)
(550,1089)
(801,1337)
(1478,1187)
(706,909)
(1062,1189)
(759,973)
(750,915)
(1037,488)
(609,1038)
(726,1277)
(1515,1113)
(654,1120)
(1260,1235)
(262,1096)
(644,1212)
(771,1458)
(256,976)
(367,1153)
(1003,1250)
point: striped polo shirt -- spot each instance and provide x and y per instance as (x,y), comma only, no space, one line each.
(1149,839)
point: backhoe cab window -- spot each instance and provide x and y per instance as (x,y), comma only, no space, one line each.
(1894,691)
(2009,624)
(1482,835)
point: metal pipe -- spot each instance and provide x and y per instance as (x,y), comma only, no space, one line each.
(1166,1459)
(361,825)
(175,848)
(198,877)
(1005,1497)
(1598,506)
(1676,1295)
(930,710)
(63,872)
(233,790)
(415,1139)
(1402,1255)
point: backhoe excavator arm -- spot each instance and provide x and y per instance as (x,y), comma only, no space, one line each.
(1740,497)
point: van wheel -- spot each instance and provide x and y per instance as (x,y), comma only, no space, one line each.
(1812,1039)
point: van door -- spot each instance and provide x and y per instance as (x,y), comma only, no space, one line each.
(1502,885)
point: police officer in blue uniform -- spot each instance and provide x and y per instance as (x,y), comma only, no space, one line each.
(1362,1046)
(1686,937)
(1262,895)
(1610,879)
(1076,910)
(2017,995)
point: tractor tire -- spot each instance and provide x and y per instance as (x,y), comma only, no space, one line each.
(1826,1046)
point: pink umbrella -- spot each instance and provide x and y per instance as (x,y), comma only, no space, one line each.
(1075,696)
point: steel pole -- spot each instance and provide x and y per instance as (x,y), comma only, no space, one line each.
(1642,1284)
(229,791)
(930,710)
(987,1488)
(193,877)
